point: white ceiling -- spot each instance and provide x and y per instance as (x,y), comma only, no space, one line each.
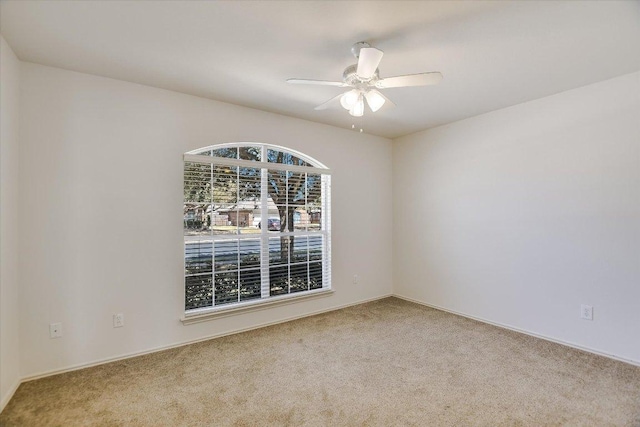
(492,54)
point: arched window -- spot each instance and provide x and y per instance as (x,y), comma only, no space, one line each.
(256,226)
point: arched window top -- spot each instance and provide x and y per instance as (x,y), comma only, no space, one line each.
(258,152)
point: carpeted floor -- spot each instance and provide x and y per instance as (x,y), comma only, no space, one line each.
(384,363)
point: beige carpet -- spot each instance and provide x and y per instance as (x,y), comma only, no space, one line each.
(384,363)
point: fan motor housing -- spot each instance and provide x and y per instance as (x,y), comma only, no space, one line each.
(350,77)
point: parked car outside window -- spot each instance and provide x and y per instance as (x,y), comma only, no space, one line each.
(274,224)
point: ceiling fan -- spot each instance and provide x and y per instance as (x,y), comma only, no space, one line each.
(364,80)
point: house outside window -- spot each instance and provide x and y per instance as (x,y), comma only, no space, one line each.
(256,226)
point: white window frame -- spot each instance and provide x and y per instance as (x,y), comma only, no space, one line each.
(265,300)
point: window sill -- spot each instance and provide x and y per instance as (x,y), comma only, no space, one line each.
(256,305)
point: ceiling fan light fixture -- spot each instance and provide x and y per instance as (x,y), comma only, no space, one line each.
(363,80)
(349,99)
(358,108)
(374,99)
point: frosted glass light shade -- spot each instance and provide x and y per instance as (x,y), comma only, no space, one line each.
(358,108)
(374,99)
(349,99)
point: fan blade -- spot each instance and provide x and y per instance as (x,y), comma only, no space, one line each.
(315,82)
(389,102)
(422,79)
(327,104)
(368,62)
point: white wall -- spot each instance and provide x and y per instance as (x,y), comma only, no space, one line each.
(9,290)
(101,212)
(517,216)
(521,215)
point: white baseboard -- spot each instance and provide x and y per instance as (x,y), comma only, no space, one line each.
(7,397)
(180,344)
(524,331)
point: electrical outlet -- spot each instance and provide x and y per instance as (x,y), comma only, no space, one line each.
(586,312)
(356,279)
(118,320)
(55,330)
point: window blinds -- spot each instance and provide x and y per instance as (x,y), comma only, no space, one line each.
(253,229)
